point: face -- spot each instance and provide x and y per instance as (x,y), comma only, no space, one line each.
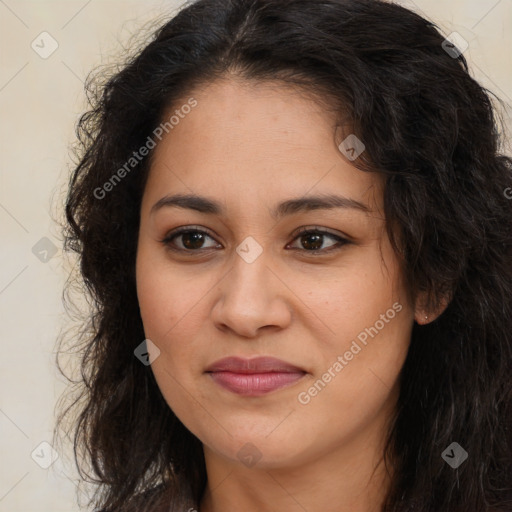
(285,256)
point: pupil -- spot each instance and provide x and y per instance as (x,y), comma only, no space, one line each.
(195,238)
(314,246)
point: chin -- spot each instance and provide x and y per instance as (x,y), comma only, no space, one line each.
(258,451)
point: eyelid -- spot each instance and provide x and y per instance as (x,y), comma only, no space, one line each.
(320,229)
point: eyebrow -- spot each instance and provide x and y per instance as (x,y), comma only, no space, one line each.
(289,207)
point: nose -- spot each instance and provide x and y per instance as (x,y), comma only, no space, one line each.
(252,298)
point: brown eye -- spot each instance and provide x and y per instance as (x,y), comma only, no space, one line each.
(192,240)
(312,241)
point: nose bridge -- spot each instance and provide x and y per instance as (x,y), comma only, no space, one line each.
(250,273)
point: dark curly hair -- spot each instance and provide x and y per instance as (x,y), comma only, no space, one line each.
(429,128)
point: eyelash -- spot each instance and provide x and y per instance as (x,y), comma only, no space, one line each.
(304,231)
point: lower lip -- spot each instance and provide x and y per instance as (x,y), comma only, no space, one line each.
(255,384)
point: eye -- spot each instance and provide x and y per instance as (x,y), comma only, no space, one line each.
(312,240)
(192,240)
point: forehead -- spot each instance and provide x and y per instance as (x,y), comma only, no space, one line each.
(259,140)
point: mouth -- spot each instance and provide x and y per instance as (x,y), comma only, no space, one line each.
(254,377)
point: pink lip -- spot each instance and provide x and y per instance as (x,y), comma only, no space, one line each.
(254,377)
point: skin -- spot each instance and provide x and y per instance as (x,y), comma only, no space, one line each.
(251,146)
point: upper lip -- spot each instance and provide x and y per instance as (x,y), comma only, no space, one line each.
(254,365)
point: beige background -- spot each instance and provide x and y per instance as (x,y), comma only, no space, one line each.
(40,100)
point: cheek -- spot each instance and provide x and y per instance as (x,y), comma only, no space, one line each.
(356,300)
(168,298)
(369,322)
(170,305)
(368,335)
(358,369)
(166,302)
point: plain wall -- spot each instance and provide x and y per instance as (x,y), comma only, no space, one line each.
(40,101)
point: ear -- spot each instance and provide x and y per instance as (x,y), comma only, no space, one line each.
(423,315)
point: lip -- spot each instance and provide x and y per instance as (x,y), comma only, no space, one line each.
(254,377)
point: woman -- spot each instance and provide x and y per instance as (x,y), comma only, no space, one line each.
(293,221)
